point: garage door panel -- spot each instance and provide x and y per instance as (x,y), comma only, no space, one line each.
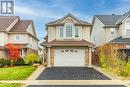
(69,57)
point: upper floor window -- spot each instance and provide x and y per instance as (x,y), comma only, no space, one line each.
(128,22)
(94,38)
(112,31)
(77,31)
(69,31)
(127,27)
(61,30)
(17,37)
(69,27)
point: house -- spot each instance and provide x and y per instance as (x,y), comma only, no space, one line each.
(68,42)
(20,33)
(112,29)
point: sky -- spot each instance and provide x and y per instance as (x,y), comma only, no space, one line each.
(43,11)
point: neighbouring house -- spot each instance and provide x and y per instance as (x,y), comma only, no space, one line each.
(112,29)
(40,52)
(20,33)
(68,42)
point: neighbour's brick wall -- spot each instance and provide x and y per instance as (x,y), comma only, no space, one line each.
(31,51)
(95,54)
(3,54)
(86,56)
(52,56)
(95,57)
(45,55)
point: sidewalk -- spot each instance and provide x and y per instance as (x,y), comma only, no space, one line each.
(69,82)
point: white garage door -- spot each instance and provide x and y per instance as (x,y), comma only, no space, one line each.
(69,57)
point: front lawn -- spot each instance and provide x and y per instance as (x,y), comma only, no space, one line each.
(10,85)
(16,73)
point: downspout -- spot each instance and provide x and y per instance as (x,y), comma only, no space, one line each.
(105,35)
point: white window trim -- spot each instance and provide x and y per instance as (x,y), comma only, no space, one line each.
(112,29)
(79,31)
(126,26)
(64,32)
(16,37)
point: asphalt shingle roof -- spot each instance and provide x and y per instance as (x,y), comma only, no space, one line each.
(6,21)
(120,40)
(68,15)
(108,19)
(112,20)
(21,26)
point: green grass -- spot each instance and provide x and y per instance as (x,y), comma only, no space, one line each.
(10,85)
(16,73)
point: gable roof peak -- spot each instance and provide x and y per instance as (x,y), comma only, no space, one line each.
(123,17)
(65,16)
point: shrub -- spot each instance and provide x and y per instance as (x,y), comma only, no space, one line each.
(114,60)
(2,63)
(31,59)
(8,62)
(19,62)
(103,60)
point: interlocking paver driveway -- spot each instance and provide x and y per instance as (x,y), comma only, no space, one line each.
(71,73)
(77,86)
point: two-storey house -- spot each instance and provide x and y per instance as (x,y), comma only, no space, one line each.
(20,33)
(112,29)
(68,42)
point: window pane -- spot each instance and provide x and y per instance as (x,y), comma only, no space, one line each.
(127,31)
(112,32)
(61,31)
(128,21)
(76,31)
(68,30)
(17,37)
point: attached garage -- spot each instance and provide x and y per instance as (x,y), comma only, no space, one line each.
(68,53)
(69,56)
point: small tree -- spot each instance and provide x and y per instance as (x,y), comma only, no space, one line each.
(13,52)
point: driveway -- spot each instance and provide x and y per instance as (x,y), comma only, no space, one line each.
(77,86)
(71,73)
